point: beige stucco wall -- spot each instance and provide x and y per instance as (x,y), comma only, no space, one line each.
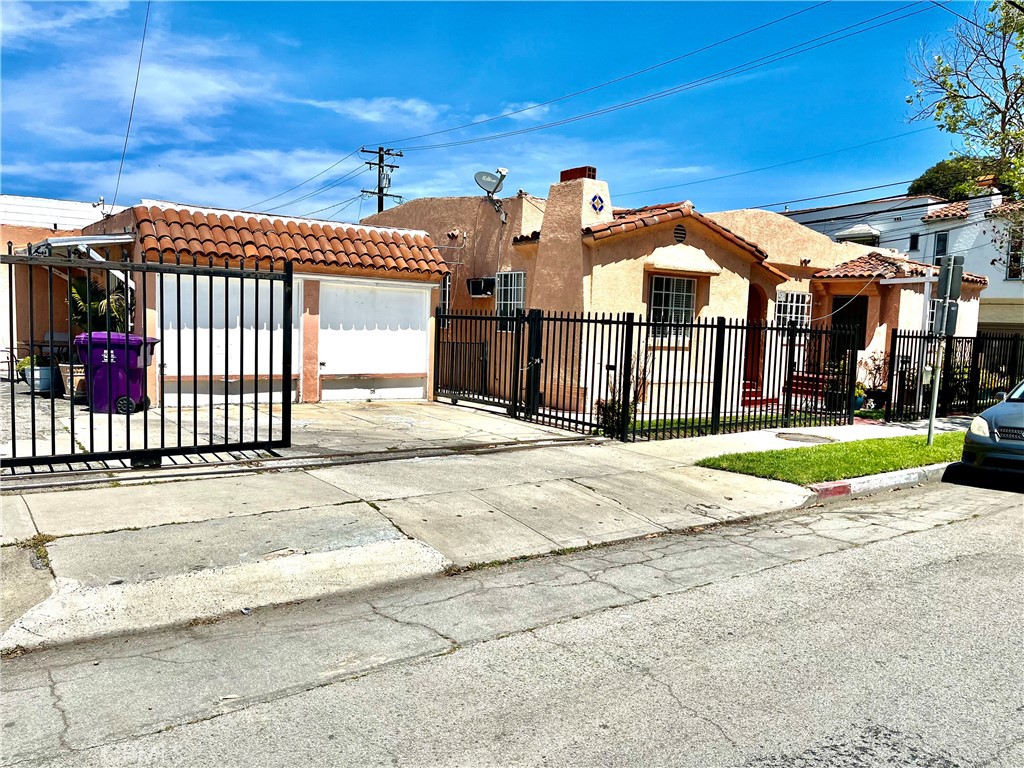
(1001,315)
(482,245)
(617,280)
(789,244)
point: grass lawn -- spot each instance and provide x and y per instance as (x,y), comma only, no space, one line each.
(665,429)
(839,461)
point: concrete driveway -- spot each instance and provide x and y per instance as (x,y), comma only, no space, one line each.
(318,429)
(373,427)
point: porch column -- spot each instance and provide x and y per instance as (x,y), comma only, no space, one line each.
(310,384)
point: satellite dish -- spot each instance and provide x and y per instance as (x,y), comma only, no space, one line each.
(489,182)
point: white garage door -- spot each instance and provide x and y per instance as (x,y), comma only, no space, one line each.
(374,340)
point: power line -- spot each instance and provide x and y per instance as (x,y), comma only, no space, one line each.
(833,194)
(776,165)
(896,208)
(251,206)
(548,102)
(131,110)
(613,81)
(357,171)
(344,204)
(763,61)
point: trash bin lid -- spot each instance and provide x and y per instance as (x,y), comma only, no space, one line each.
(113,339)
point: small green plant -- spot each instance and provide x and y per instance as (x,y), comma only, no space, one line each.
(859,390)
(32,361)
(37,544)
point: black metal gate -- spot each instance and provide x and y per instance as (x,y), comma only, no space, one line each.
(635,378)
(975,371)
(124,361)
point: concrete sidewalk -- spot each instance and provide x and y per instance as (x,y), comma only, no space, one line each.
(140,556)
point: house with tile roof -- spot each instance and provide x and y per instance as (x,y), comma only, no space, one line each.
(574,251)
(849,283)
(362,297)
(986,230)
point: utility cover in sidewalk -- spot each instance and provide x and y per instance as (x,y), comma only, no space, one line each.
(798,437)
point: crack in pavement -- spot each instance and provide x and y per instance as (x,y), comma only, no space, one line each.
(655,551)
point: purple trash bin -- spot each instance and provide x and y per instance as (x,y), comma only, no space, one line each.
(115,367)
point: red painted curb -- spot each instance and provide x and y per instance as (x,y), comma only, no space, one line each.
(831,490)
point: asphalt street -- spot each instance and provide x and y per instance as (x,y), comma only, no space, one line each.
(881,631)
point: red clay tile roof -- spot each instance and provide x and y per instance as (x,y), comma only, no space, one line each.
(875,265)
(631,219)
(206,233)
(628,220)
(957,210)
(1007,207)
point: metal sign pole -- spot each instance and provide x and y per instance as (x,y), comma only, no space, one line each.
(948,290)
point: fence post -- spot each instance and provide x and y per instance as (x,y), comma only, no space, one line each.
(625,384)
(945,390)
(518,322)
(438,324)
(787,402)
(851,376)
(716,383)
(534,359)
(286,352)
(890,384)
(974,377)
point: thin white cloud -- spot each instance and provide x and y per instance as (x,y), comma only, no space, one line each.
(518,111)
(228,180)
(27,24)
(682,170)
(182,85)
(379,110)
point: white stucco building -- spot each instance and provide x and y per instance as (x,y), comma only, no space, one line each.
(985,230)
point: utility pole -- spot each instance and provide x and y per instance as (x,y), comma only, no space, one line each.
(383,174)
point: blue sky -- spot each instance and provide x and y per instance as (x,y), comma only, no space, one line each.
(240,101)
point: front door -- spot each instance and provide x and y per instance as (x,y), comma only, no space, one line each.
(849,312)
(757,316)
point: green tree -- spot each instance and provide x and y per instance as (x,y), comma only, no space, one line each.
(955,179)
(972,85)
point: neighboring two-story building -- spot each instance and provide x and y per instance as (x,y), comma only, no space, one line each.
(985,229)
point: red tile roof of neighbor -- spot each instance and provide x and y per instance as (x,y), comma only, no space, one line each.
(959,210)
(205,233)
(876,265)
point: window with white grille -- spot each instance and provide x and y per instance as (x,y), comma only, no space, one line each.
(941,245)
(1015,255)
(672,301)
(511,293)
(793,305)
(933,309)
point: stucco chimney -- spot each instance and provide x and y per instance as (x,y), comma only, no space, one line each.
(579,201)
(986,199)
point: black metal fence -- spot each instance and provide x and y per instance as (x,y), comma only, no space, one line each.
(116,360)
(975,371)
(635,378)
